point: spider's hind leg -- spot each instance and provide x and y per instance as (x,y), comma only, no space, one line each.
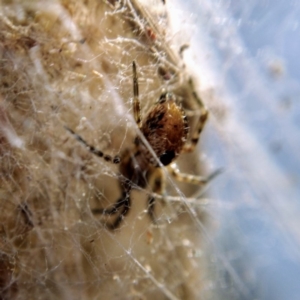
(193,179)
(189,147)
(109,211)
(126,207)
(157,184)
(122,206)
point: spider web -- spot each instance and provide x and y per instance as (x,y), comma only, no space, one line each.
(69,63)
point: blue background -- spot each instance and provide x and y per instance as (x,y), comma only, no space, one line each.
(254,49)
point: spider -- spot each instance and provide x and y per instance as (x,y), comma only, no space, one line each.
(166,130)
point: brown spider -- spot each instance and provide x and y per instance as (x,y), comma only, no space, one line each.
(166,130)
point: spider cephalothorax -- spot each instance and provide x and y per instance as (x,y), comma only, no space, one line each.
(166,130)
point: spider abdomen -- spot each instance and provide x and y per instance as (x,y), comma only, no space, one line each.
(166,129)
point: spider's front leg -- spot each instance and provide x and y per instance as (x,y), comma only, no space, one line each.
(136,101)
(116,159)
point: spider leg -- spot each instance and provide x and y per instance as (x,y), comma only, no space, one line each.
(157,183)
(189,147)
(116,159)
(123,204)
(150,209)
(136,101)
(113,209)
(197,180)
(126,207)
